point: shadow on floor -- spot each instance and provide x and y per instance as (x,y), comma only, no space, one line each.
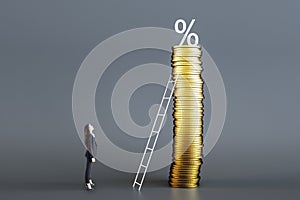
(156,183)
(152,184)
(251,184)
(56,186)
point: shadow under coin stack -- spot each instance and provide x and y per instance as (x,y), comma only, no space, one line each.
(188,117)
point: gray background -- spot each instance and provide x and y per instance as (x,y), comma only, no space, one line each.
(254,43)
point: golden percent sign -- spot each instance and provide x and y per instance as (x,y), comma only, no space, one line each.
(188,110)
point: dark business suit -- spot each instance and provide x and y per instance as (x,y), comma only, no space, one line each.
(91,151)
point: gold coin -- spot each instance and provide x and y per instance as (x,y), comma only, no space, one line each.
(188,116)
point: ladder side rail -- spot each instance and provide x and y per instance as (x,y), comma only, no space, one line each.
(156,137)
(167,106)
(158,131)
(148,142)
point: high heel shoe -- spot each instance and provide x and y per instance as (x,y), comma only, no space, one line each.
(88,187)
(91,182)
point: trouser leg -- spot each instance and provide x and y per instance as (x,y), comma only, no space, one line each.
(88,171)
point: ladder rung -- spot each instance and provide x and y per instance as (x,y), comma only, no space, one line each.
(149,149)
(155,131)
(160,114)
(137,183)
(144,166)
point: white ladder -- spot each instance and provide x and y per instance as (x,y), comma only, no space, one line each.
(158,121)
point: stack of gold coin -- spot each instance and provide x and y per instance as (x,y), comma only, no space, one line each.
(188,117)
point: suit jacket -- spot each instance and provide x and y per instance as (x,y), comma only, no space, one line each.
(91,146)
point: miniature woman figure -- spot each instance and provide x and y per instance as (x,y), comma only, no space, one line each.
(91,151)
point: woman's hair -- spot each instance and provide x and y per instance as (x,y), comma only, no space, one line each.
(86,131)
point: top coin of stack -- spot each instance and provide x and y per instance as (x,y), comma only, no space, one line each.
(188,117)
